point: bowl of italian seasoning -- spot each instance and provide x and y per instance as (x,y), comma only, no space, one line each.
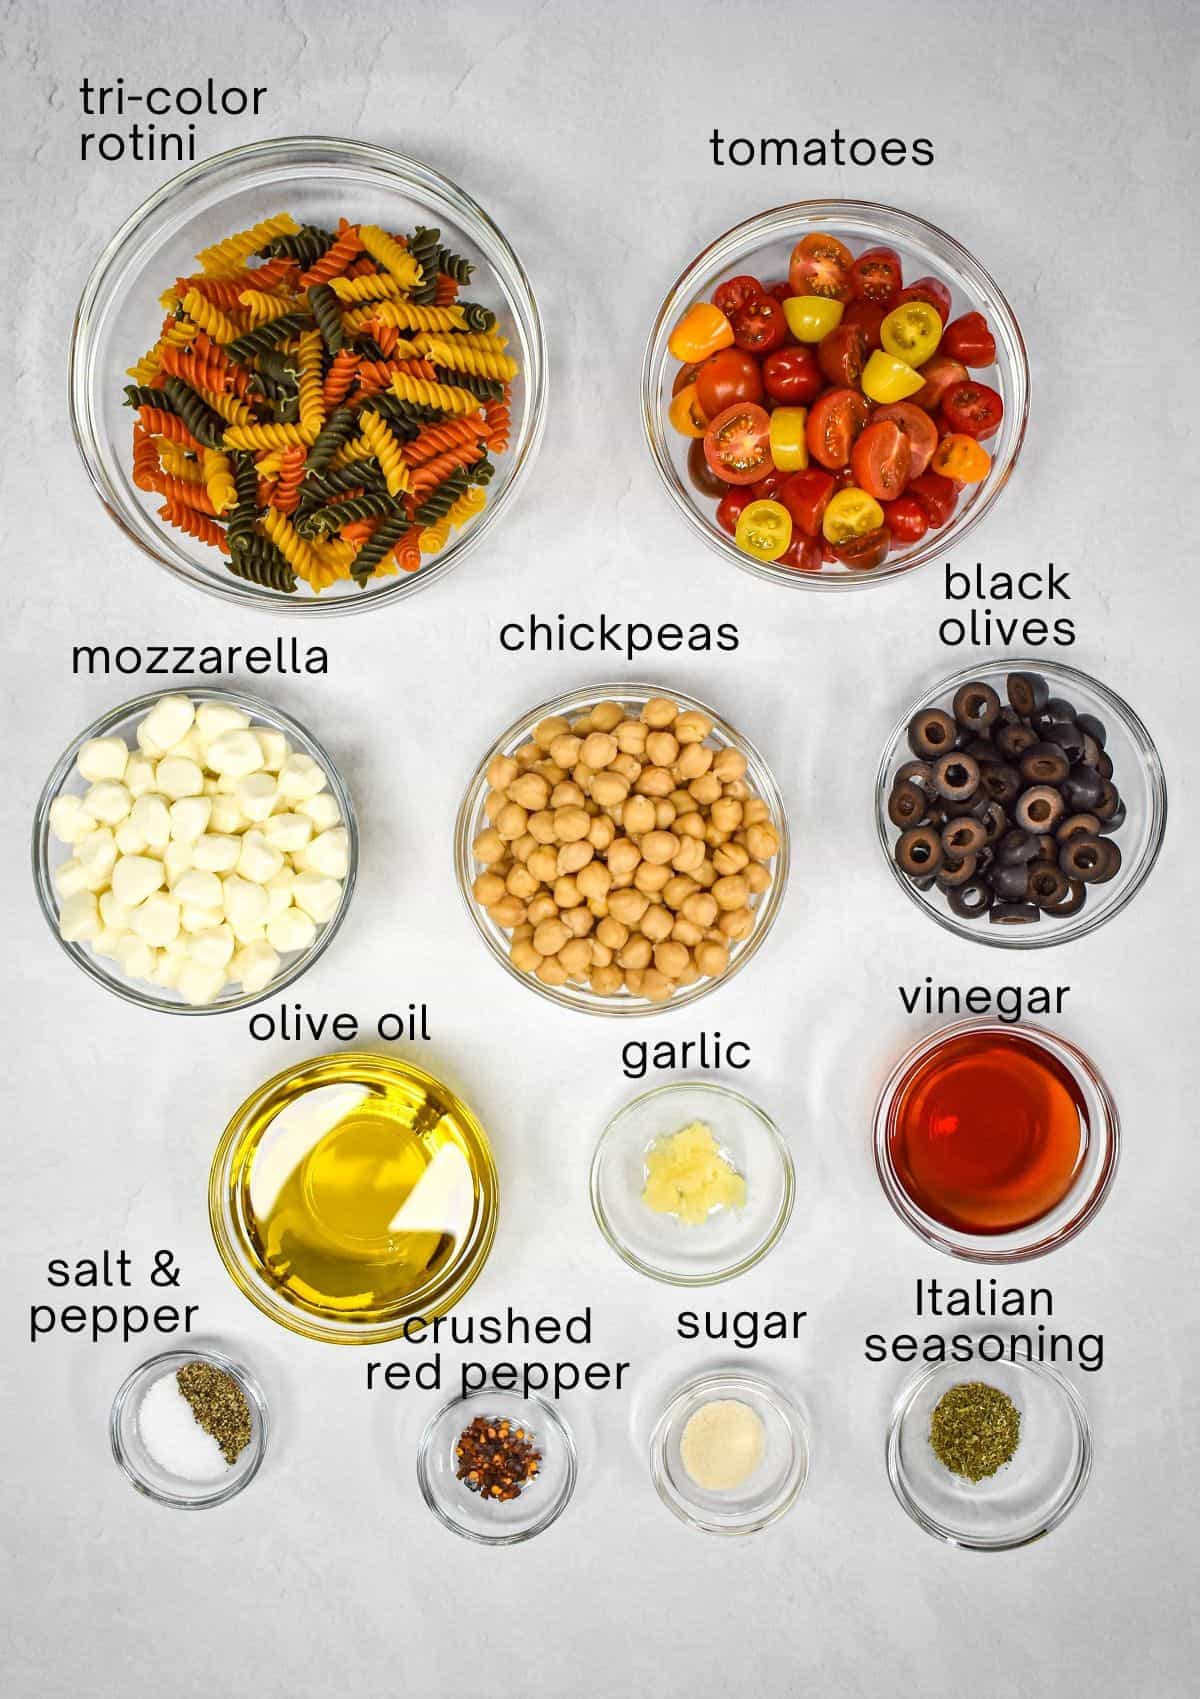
(308,374)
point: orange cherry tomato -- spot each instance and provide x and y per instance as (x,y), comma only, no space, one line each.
(701,331)
(962,458)
(684,413)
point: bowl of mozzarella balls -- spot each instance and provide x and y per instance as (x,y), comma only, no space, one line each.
(621,848)
(194,853)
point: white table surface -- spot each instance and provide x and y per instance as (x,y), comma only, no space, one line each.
(1063,135)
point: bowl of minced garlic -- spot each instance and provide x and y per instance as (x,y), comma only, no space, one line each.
(729,1454)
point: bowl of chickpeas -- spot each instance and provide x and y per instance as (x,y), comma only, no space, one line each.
(621,848)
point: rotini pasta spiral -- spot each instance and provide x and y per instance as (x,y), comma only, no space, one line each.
(260,562)
(459,355)
(312,408)
(228,254)
(218,480)
(386,450)
(423,248)
(202,313)
(447,398)
(392,257)
(327,310)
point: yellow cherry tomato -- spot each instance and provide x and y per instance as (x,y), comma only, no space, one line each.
(701,331)
(789,445)
(963,459)
(684,412)
(764,529)
(810,317)
(912,332)
(850,513)
(887,379)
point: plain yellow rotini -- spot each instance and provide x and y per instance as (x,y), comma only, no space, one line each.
(394,259)
(229,408)
(436,536)
(179,334)
(352,452)
(487,341)
(312,406)
(209,318)
(228,253)
(261,308)
(267,436)
(300,554)
(218,480)
(386,450)
(406,315)
(177,463)
(146,368)
(451,353)
(378,287)
(426,394)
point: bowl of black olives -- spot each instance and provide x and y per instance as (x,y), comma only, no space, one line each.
(1021,803)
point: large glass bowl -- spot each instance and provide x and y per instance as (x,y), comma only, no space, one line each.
(762,246)
(471,821)
(317,179)
(48,853)
(1137,774)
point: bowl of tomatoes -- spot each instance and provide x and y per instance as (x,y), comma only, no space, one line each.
(834,393)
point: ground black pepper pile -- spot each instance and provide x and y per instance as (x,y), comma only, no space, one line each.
(219,1405)
(494,1459)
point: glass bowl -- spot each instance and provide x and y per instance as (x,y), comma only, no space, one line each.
(1137,774)
(145,1471)
(304,1114)
(1094,1172)
(317,179)
(775,1484)
(49,854)
(730,1241)
(1022,1501)
(762,246)
(471,820)
(486,1522)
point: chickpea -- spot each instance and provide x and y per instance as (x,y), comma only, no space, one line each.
(637,952)
(696,759)
(654,781)
(607,716)
(541,826)
(611,933)
(574,856)
(581,725)
(552,972)
(522,884)
(601,833)
(659,847)
(664,813)
(689,976)
(531,791)
(758,877)
(714,837)
(567,893)
(691,824)
(659,713)
(488,847)
(638,815)
(700,908)
(565,750)
(738,923)
(509,911)
(756,812)
(706,789)
(628,906)
(689,857)
(582,775)
(522,932)
(524,846)
(629,767)
(597,907)
(726,815)
(711,959)
(623,857)
(657,923)
(729,764)
(656,986)
(691,727)
(545,732)
(606,980)
(631,737)
(488,889)
(633,981)
(511,821)
(549,937)
(599,748)
(650,878)
(678,889)
(578,921)
(661,749)
(671,958)
(762,841)
(730,858)
(543,864)
(551,772)
(685,932)
(731,891)
(705,874)
(502,770)
(543,908)
(527,756)
(524,956)
(493,802)
(609,789)
(601,955)
(738,789)
(566,794)
(571,824)
(576,956)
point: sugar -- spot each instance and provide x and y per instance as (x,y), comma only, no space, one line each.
(174,1438)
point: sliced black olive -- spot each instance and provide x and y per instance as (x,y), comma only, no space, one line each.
(931,733)
(1067,735)
(956,776)
(919,851)
(1083,857)
(1007,716)
(1082,788)
(1011,884)
(1000,782)
(1048,885)
(1047,848)
(954,873)
(1112,862)
(1094,728)
(1104,766)
(1073,901)
(907,805)
(925,883)
(984,858)
(1107,803)
(1074,824)
(964,836)
(995,822)
(915,773)
(1061,709)
(1045,764)
(1028,693)
(1115,820)
(981,748)
(1091,751)
(976,706)
(1013,741)
(971,900)
(1040,809)
(1013,914)
(1016,847)
(974,808)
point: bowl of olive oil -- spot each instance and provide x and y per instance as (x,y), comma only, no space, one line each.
(352,1194)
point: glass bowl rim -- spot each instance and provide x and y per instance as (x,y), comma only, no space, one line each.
(622,691)
(368,158)
(254,1396)
(762,227)
(246,1274)
(900,1409)
(1151,769)
(778,1227)
(973,1247)
(562,1430)
(726,1380)
(130,992)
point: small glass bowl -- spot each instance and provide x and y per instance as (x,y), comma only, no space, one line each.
(49,854)
(471,821)
(773,1487)
(762,246)
(1020,1502)
(1093,1178)
(729,1242)
(1137,774)
(317,179)
(482,1520)
(146,1473)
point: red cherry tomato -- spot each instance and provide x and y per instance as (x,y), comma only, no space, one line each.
(730,507)
(867,316)
(834,422)
(841,354)
(779,291)
(806,496)
(737,445)
(881,460)
(735,293)
(917,426)
(701,474)
(937,495)
(930,289)
(726,377)
(803,554)
(939,373)
(759,325)
(972,409)
(792,376)
(875,275)
(687,374)
(906,519)
(968,339)
(863,554)
(768,486)
(820,265)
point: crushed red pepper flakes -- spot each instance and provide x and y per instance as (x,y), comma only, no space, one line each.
(496,1459)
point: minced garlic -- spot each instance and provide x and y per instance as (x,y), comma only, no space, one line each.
(688,1176)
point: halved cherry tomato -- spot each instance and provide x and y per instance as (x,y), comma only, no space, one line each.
(938,374)
(864,552)
(789,447)
(917,426)
(912,332)
(841,354)
(701,331)
(810,317)
(968,339)
(833,424)
(737,443)
(930,289)
(963,459)
(725,378)
(735,292)
(881,460)
(702,476)
(806,496)
(906,519)
(791,375)
(972,409)
(778,291)
(937,495)
(868,316)
(767,487)
(875,275)
(886,378)
(687,374)
(760,325)
(803,554)
(820,265)
(851,513)
(686,414)
(731,505)
(764,529)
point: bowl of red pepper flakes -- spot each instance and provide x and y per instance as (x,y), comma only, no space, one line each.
(497,1468)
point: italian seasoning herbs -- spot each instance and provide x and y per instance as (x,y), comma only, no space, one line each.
(495,1459)
(975,1430)
(219,1406)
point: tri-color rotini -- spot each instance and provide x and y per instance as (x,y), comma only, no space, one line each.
(320,406)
